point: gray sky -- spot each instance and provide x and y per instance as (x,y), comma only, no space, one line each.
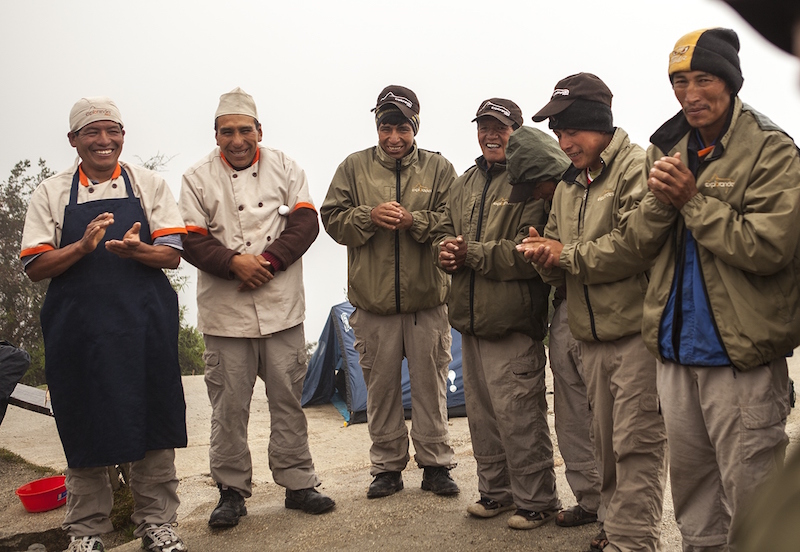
(315,70)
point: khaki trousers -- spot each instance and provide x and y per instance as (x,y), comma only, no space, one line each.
(154,486)
(572,413)
(382,342)
(232,365)
(507,411)
(726,438)
(630,440)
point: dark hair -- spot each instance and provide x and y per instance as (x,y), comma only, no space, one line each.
(258,125)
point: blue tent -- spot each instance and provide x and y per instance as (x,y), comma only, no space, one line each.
(334,374)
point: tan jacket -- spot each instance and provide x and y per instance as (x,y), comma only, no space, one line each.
(606,280)
(744,220)
(497,291)
(389,272)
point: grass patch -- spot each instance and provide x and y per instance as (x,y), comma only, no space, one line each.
(8,456)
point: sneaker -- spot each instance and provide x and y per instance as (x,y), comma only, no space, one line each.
(161,538)
(488,508)
(385,484)
(229,509)
(85,544)
(310,500)
(526,519)
(437,480)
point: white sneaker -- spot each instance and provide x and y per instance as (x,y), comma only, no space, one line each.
(161,538)
(85,544)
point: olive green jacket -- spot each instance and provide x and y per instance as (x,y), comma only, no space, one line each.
(497,291)
(389,272)
(745,222)
(606,280)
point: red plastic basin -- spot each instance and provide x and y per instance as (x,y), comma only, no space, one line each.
(43,494)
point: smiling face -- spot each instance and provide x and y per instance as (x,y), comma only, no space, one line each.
(493,138)
(238,138)
(99,145)
(583,147)
(705,100)
(396,140)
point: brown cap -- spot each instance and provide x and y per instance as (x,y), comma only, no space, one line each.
(404,98)
(505,111)
(582,86)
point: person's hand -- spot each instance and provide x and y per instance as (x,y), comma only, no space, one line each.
(671,181)
(452,253)
(392,216)
(541,251)
(251,270)
(95,232)
(127,246)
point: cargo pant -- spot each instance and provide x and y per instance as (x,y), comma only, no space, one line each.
(153,483)
(504,391)
(424,339)
(232,365)
(572,413)
(726,438)
(630,440)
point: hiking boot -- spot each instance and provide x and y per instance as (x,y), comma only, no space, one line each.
(488,508)
(385,484)
(85,544)
(161,538)
(575,516)
(437,480)
(229,509)
(311,501)
(527,519)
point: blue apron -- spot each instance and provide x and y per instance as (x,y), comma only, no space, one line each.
(110,330)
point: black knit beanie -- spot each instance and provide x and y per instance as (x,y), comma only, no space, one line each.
(714,51)
(584,115)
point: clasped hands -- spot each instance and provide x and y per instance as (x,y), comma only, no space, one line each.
(392,216)
(541,251)
(671,181)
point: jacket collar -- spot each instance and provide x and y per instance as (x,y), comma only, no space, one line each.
(391,163)
(481,163)
(618,141)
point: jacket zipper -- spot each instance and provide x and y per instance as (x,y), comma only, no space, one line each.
(478,230)
(398,166)
(581,217)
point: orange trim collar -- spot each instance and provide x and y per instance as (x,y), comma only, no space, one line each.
(84,180)
(255,160)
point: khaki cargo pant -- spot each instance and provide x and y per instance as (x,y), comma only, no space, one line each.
(232,365)
(507,412)
(572,413)
(726,438)
(153,483)
(382,342)
(630,440)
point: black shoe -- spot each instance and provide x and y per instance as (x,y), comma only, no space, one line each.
(385,484)
(438,481)
(229,509)
(311,501)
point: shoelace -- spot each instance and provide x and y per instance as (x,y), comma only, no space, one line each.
(163,535)
(83,544)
